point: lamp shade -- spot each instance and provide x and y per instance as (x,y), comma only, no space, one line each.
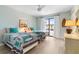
(77,24)
(70,23)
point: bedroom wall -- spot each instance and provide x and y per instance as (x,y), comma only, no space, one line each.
(75,14)
(66,15)
(10,18)
(42,23)
(38,23)
(59,30)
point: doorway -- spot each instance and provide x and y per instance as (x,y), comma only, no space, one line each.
(50,26)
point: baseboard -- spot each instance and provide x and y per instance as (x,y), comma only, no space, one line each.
(1,44)
(59,38)
(56,37)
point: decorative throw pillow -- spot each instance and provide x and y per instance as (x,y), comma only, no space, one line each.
(13,30)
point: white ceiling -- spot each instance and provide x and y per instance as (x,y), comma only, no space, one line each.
(46,10)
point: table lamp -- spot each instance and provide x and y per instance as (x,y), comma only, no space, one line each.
(77,24)
(69,24)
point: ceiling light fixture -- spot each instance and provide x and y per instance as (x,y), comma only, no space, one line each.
(40,7)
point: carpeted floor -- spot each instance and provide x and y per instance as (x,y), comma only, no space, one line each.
(49,46)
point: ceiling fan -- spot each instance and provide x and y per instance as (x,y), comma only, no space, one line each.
(40,7)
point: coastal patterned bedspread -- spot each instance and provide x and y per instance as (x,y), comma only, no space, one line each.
(16,40)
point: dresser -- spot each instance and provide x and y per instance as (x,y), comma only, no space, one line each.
(71,43)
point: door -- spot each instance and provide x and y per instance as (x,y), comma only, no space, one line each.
(51,30)
(50,26)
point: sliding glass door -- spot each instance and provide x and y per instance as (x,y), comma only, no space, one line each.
(50,26)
